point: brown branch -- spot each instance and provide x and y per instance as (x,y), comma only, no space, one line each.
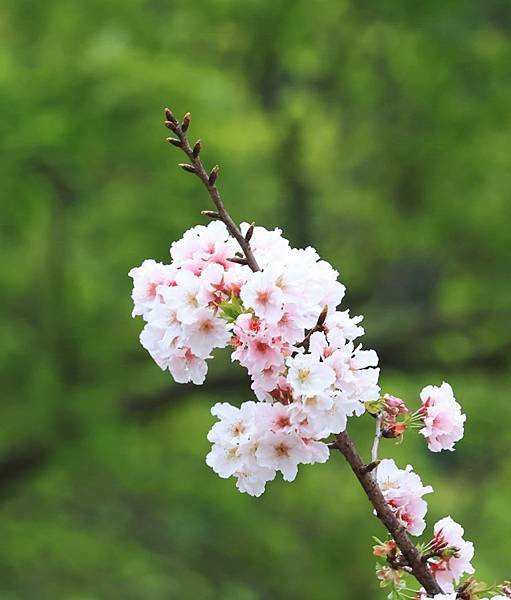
(208,179)
(413,557)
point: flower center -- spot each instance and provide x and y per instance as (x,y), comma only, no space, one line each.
(237,429)
(191,299)
(206,327)
(282,450)
(263,297)
(303,375)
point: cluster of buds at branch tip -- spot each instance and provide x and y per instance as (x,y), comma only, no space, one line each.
(196,167)
(390,552)
(389,408)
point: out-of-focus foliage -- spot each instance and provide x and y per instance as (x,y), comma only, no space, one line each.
(377,132)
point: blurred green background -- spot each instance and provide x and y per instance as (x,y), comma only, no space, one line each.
(378,132)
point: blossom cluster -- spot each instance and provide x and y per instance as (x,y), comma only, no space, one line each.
(179,301)
(449,555)
(285,330)
(258,439)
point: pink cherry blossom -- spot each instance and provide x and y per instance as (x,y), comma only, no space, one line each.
(261,294)
(282,452)
(146,280)
(185,366)
(403,491)
(443,420)
(206,332)
(204,245)
(456,554)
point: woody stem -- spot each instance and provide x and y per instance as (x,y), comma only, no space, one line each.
(413,557)
(208,179)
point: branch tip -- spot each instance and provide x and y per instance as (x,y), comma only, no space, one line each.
(208,179)
(250,232)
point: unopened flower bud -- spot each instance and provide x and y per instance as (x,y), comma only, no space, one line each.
(169,116)
(385,549)
(391,408)
(395,404)
(387,575)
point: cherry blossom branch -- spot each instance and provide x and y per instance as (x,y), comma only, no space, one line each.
(281,446)
(208,179)
(414,558)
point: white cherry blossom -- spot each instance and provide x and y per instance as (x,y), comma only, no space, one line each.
(308,376)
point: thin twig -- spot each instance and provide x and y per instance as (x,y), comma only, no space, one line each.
(411,554)
(377,438)
(208,179)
